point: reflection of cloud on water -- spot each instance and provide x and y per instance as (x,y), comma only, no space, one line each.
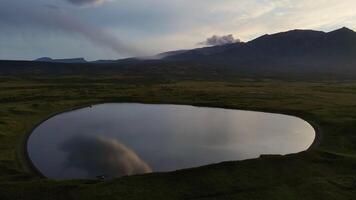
(102,156)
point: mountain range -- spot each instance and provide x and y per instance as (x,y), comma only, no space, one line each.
(292,45)
(69,60)
(296,46)
(297,52)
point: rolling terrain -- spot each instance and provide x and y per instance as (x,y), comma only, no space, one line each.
(308,74)
(296,54)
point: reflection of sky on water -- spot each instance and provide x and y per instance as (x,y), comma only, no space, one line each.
(101,156)
(124,139)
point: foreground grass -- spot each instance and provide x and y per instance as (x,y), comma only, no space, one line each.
(325,172)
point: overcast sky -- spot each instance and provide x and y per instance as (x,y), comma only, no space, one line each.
(111,29)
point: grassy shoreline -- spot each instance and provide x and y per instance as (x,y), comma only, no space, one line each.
(328,165)
(29,164)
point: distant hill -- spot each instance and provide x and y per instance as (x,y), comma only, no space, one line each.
(292,47)
(168,53)
(194,53)
(295,54)
(69,60)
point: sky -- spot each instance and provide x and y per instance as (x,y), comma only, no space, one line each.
(113,29)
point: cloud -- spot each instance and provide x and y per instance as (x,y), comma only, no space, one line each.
(34,15)
(85,2)
(51,6)
(102,156)
(219,40)
(161,25)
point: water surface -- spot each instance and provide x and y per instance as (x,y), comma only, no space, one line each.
(119,139)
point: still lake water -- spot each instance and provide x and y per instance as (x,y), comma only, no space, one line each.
(119,139)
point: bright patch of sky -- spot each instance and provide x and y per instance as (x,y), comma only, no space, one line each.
(112,29)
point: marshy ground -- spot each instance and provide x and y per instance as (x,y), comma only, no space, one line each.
(326,171)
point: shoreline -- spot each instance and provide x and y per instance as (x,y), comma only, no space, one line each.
(27,162)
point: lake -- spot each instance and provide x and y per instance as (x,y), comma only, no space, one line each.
(118,139)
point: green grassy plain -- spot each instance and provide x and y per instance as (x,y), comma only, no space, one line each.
(326,171)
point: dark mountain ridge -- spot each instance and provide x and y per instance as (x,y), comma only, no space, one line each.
(66,60)
(302,54)
(293,46)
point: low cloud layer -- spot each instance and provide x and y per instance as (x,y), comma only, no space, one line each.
(85,2)
(103,156)
(216,40)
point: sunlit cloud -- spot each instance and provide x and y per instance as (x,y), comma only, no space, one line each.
(161,25)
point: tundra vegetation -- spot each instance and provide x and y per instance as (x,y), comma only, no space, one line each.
(326,171)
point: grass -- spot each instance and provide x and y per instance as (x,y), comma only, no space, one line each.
(327,171)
